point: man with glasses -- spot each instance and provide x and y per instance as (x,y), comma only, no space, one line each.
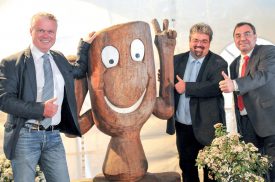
(199,103)
(253,84)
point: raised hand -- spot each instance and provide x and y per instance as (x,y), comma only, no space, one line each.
(226,85)
(90,37)
(50,108)
(180,86)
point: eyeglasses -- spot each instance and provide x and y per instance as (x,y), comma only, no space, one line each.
(196,41)
(245,34)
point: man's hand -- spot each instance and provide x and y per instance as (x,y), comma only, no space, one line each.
(50,108)
(180,86)
(89,39)
(226,85)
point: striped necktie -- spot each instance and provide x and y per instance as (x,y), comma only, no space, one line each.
(48,88)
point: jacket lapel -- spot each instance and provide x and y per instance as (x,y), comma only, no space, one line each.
(64,68)
(181,65)
(60,64)
(237,67)
(251,60)
(30,68)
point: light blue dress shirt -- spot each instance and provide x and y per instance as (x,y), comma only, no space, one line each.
(191,72)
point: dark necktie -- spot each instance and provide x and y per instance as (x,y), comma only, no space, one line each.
(48,88)
(240,98)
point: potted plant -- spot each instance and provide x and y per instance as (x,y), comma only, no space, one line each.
(230,159)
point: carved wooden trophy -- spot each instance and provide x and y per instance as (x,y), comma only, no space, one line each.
(122,85)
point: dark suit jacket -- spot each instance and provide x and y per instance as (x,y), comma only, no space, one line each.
(206,99)
(258,89)
(18,92)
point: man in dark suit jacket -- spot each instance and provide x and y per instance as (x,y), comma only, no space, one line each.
(27,142)
(255,90)
(199,103)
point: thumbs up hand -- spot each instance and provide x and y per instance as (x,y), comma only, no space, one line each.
(50,108)
(226,85)
(225,76)
(180,86)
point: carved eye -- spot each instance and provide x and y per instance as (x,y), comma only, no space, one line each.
(109,56)
(137,50)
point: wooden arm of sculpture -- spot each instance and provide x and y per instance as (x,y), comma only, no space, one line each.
(85,120)
(165,42)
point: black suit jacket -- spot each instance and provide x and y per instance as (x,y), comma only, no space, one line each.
(18,92)
(258,89)
(206,99)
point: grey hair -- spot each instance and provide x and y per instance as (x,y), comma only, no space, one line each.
(42,14)
(201,28)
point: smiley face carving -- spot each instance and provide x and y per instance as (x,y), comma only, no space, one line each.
(123,76)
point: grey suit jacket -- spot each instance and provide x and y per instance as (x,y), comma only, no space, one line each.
(258,89)
(206,99)
(18,93)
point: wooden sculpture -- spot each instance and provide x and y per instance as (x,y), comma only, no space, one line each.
(122,86)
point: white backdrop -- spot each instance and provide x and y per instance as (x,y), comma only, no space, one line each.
(78,17)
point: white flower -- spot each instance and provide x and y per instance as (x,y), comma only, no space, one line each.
(230,159)
(6,174)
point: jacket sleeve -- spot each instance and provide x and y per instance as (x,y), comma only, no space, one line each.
(11,90)
(80,67)
(261,72)
(209,85)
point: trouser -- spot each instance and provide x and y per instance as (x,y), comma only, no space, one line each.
(266,145)
(188,149)
(40,147)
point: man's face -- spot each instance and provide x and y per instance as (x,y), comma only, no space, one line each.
(245,39)
(199,44)
(43,32)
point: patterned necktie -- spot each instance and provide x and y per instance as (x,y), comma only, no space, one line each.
(240,98)
(194,71)
(47,92)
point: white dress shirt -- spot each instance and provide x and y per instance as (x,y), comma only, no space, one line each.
(57,79)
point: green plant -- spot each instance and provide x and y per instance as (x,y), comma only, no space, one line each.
(6,171)
(230,159)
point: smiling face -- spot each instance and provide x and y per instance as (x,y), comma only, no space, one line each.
(199,44)
(123,75)
(245,39)
(43,32)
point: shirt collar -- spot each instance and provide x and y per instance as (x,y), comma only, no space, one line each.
(36,53)
(193,59)
(249,54)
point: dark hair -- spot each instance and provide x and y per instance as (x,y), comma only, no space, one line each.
(242,24)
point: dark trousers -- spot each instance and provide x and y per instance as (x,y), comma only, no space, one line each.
(266,145)
(188,149)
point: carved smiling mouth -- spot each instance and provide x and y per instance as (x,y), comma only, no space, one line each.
(128,109)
